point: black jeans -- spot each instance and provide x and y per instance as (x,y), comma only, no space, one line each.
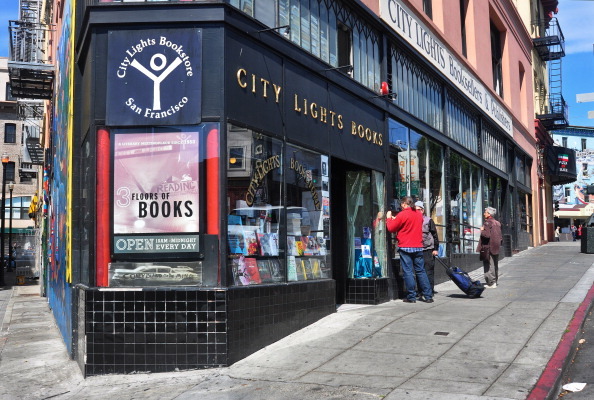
(430,267)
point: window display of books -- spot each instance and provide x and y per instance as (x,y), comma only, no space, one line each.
(257,257)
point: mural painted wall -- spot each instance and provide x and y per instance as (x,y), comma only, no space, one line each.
(60,276)
(575,193)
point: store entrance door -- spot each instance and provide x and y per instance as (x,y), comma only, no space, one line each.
(354,208)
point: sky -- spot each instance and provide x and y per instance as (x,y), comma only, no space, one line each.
(576,18)
(8,11)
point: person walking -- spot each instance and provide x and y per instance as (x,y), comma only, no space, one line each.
(408,226)
(557,234)
(430,244)
(579,231)
(573,232)
(489,245)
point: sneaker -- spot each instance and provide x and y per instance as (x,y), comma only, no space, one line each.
(409,301)
(493,286)
(428,300)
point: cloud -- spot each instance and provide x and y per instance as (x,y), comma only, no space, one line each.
(575,19)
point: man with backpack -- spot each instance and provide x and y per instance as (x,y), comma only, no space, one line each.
(430,244)
(408,226)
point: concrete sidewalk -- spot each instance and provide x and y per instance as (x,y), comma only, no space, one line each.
(495,347)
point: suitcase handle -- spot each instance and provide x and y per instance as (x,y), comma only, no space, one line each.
(447,267)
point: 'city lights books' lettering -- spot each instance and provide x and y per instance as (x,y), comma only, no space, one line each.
(157,71)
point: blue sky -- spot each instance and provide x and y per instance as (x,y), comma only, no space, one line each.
(576,21)
(8,11)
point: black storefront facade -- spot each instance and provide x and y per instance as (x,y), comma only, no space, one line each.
(234,184)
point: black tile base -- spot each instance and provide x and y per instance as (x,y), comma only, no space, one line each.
(367,291)
(164,329)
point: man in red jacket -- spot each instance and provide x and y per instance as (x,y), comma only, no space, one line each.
(408,226)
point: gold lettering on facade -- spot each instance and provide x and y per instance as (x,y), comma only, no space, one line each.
(241,73)
(261,169)
(308,108)
(265,84)
(300,169)
(313,111)
(297,108)
(366,133)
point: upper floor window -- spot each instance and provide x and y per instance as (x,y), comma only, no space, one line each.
(9,96)
(497,60)
(326,29)
(564,142)
(463,9)
(345,43)
(9,133)
(10,176)
(584,144)
(428,8)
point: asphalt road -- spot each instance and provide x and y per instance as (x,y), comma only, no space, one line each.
(582,367)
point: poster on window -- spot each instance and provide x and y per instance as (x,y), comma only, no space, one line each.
(155,190)
(129,274)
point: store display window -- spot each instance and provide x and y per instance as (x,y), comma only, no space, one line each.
(417,165)
(278,200)
(255,245)
(157,175)
(307,214)
(366,228)
(465,204)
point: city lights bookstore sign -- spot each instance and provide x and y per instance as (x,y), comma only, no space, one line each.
(419,36)
(154,77)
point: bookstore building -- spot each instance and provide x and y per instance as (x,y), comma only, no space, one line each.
(242,173)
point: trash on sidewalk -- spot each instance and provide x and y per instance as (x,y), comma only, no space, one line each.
(574,387)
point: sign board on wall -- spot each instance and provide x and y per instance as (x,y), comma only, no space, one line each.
(155,192)
(404,22)
(154,77)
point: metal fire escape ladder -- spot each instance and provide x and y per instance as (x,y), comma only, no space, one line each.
(30,67)
(549,43)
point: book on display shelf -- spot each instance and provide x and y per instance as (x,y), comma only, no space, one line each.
(250,270)
(268,244)
(251,242)
(276,271)
(301,273)
(264,270)
(306,263)
(292,246)
(291,268)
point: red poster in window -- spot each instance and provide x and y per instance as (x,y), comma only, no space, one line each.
(155,183)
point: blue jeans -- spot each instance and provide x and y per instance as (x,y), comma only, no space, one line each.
(408,262)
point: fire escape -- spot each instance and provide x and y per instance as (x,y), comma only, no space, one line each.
(31,75)
(550,46)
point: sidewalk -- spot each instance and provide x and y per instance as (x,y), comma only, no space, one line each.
(495,347)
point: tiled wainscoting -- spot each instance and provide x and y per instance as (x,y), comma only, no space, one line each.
(163,329)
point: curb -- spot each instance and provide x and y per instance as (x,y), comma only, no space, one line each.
(548,383)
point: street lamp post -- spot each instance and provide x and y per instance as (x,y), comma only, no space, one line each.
(10,188)
(5,160)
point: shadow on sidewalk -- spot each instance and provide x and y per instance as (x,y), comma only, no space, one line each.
(10,279)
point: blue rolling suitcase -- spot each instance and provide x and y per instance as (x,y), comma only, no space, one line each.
(463,281)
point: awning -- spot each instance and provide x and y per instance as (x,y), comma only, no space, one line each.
(20,231)
(581,211)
